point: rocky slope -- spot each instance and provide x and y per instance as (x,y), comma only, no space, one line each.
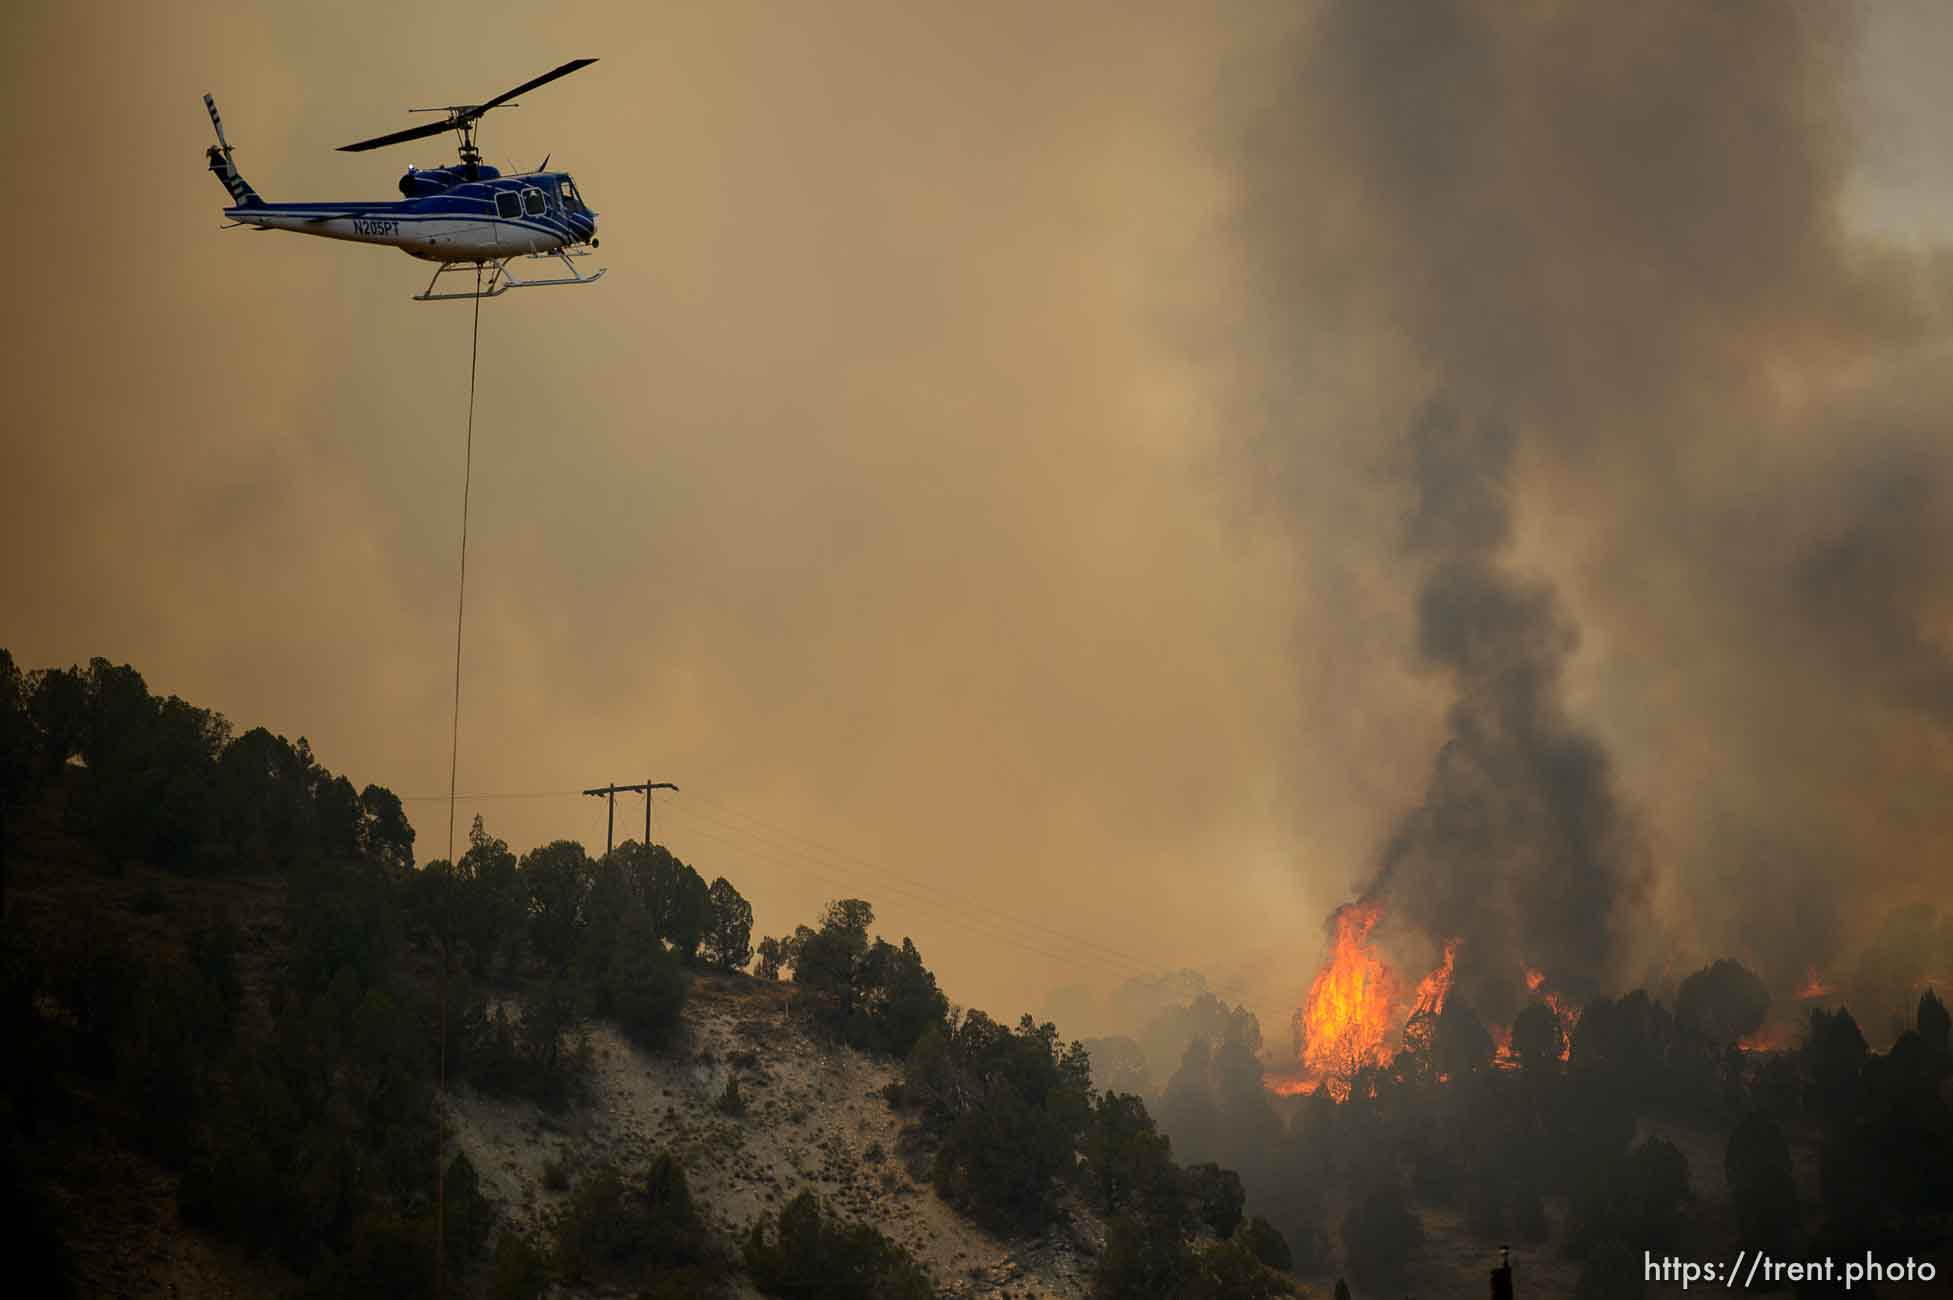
(814,1118)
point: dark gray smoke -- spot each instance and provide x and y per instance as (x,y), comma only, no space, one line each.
(1519,847)
(1679,532)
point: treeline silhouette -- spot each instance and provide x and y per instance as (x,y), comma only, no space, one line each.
(282,1062)
(1009,1125)
(164,782)
(1450,1123)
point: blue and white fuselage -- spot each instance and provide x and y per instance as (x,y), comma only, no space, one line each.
(462,215)
(453,220)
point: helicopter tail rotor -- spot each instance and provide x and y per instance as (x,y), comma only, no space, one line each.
(223,168)
(210,106)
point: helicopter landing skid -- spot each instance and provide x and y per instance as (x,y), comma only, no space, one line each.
(501,279)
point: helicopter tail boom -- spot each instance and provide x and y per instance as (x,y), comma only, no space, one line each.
(242,195)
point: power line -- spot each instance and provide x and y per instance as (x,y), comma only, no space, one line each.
(610,793)
(1003,932)
(1115,960)
(989,934)
(795,851)
(525,794)
(947,895)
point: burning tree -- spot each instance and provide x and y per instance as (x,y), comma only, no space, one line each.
(1343,1025)
(1357,1013)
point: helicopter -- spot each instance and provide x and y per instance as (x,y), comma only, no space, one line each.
(465,214)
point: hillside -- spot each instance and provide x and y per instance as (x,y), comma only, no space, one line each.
(114,1204)
(816,1119)
(230,997)
(816,1116)
(222,1087)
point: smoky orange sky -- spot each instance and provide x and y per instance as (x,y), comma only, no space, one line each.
(981,479)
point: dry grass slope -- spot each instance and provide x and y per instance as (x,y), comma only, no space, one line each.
(815,1120)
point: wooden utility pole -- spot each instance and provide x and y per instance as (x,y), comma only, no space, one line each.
(611,792)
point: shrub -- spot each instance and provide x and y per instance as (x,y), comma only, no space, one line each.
(1000,1162)
(730,1101)
(1379,1234)
(645,986)
(728,938)
(677,898)
(1217,1197)
(1126,1156)
(469,1215)
(612,1233)
(1267,1245)
(386,1256)
(1639,1200)
(1010,1107)
(1305,1232)
(1143,1260)
(521,1271)
(809,1254)
(1722,1002)
(213,955)
(161,1059)
(340,917)
(894,999)
(1228,1270)
(556,1067)
(1762,1193)
(557,878)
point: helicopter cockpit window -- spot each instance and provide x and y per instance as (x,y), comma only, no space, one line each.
(507,204)
(532,202)
(571,199)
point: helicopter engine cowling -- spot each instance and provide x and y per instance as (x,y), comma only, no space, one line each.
(420,182)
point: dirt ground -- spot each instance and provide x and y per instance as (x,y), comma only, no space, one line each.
(815,1120)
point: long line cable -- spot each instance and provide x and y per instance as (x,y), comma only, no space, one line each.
(454,765)
(461,597)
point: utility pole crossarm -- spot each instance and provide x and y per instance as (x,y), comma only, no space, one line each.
(611,792)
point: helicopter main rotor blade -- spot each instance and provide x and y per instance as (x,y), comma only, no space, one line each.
(460,117)
(543,80)
(441,127)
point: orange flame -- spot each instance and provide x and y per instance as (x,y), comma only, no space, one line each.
(1770,1038)
(1564,1011)
(1343,1024)
(1814,986)
(1435,987)
(1569,1017)
(1358,1016)
(1290,1085)
(1502,1056)
(1356,1009)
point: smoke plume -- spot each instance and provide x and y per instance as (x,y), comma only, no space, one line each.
(1519,847)
(1674,483)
